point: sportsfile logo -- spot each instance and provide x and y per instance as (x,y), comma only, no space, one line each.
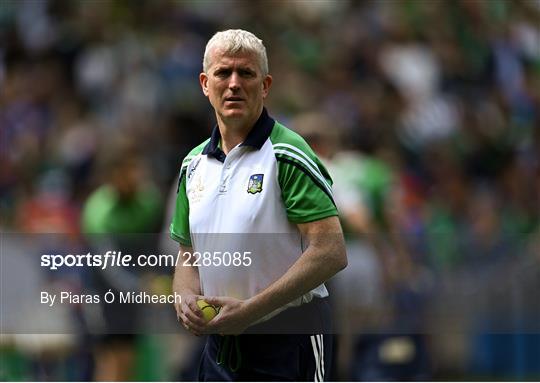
(118,259)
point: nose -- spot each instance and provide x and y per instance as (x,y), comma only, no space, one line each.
(234,82)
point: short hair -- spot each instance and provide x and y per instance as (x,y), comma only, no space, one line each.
(233,41)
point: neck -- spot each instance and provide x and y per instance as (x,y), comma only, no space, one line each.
(231,137)
(234,131)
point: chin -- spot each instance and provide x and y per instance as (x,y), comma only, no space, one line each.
(234,114)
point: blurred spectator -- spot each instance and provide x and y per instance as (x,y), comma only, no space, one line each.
(127,203)
(381,278)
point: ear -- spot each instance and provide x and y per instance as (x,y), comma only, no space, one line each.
(203,80)
(267,83)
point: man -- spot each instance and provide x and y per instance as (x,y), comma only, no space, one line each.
(127,203)
(254,176)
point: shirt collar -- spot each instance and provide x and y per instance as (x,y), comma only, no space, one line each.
(255,138)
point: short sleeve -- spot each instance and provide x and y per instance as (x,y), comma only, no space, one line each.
(180,222)
(306,186)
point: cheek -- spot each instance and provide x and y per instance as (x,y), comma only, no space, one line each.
(216,89)
(256,89)
(213,93)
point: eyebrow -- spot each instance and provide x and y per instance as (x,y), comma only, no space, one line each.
(229,67)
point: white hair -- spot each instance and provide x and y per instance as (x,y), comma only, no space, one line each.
(233,41)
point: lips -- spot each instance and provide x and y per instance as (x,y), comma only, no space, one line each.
(234,99)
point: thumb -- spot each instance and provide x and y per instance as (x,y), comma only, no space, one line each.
(214,301)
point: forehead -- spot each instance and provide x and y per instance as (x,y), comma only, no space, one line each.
(244,59)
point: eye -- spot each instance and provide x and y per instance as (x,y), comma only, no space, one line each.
(247,73)
(222,73)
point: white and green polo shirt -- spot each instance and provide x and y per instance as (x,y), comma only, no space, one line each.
(251,199)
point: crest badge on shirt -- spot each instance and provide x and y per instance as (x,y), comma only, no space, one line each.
(255,183)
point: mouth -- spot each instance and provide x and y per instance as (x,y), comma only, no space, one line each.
(234,99)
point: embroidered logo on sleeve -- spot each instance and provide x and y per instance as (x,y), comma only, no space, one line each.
(255,183)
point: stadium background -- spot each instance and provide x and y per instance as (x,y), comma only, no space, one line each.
(436,103)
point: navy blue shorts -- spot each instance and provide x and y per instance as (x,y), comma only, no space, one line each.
(270,356)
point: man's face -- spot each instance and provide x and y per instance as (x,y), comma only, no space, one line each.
(235,85)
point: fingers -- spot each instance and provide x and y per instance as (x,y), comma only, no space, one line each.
(190,316)
(192,311)
(189,326)
(215,301)
(192,319)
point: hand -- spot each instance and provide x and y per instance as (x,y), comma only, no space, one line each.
(189,314)
(233,318)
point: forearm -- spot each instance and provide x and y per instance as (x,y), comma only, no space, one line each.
(323,258)
(186,278)
(314,267)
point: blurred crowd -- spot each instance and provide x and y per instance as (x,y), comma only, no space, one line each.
(427,114)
